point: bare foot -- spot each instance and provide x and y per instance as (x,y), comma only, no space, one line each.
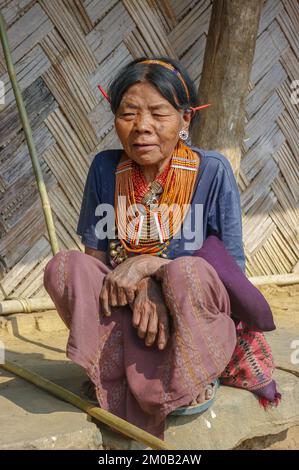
(204,395)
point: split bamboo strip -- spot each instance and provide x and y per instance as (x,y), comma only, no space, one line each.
(25,305)
(28,134)
(101,415)
(150,28)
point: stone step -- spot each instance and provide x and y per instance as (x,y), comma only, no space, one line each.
(34,419)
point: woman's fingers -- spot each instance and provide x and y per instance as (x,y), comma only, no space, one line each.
(121,296)
(163,334)
(144,319)
(136,313)
(130,293)
(113,294)
(152,329)
(104,300)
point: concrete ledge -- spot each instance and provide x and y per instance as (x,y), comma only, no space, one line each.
(33,419)
(285,440)
(235,417)
(28,323)
(236,421)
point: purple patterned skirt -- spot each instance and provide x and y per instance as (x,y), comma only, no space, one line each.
(138,383)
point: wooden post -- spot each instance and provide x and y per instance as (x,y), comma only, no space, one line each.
(225,77)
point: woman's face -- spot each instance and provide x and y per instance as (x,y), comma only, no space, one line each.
(148,125)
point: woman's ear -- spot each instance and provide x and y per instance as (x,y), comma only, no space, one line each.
(186,119)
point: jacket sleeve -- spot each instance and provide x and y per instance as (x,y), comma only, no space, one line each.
(88,219)
(225,215)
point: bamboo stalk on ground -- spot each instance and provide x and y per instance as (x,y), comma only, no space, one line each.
(30,143)
(101,415)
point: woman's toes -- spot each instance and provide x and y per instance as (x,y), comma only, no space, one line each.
(209,392)
(201,397)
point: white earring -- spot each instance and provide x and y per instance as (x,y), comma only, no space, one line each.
(183,134)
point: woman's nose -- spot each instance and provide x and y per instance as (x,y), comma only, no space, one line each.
(143,123)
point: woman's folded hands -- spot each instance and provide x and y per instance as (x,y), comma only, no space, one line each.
(150,313)
(120,285)
(131,283)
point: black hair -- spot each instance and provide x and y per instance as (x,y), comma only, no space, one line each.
(167,83)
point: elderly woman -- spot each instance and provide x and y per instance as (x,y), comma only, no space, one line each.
(150,323)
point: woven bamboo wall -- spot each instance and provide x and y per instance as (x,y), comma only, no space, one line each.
(62,49)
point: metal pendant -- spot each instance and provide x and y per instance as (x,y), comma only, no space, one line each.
(117,252)
(151,196)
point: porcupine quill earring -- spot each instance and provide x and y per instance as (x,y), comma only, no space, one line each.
(103,93)
(197,108)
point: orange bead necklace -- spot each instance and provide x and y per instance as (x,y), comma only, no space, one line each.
(151,214)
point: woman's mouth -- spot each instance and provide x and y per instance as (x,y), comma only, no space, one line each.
(143,147)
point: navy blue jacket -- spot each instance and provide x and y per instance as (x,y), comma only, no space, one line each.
(215,189)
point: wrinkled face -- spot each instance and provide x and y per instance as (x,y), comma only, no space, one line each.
(148,125)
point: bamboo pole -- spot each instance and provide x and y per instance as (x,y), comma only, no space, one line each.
(37,304)
(277,279)
(25,305)
(30,143)
(101,415)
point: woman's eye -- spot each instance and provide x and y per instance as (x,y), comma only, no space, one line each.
(134,114)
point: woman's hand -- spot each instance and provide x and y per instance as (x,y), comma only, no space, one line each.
(150,314)
(120,285)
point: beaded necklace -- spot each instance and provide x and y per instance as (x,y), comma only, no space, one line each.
(153,213)
(141,187)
